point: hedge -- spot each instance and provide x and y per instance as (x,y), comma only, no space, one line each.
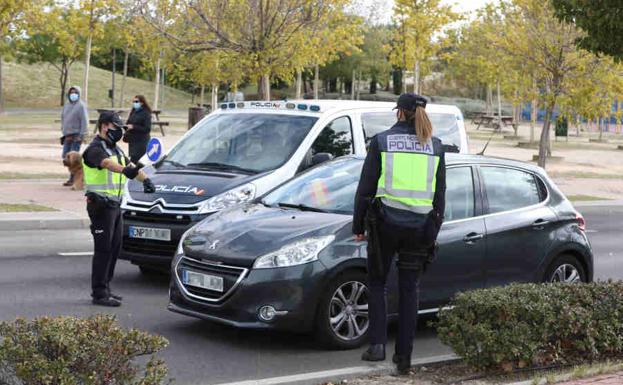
(534,325)
(70,350)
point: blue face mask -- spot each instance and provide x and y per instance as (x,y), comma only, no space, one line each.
(136,105)
(74,97)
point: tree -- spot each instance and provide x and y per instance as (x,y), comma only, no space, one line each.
(417,23)
(600,20)
(375,55)
(54,37)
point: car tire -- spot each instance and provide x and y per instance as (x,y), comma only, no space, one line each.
(347,297)
(565,268)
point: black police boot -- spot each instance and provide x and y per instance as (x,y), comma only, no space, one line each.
(403,364)
(376,352)
(116,296)
(106,301)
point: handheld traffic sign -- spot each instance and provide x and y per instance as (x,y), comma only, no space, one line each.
(154,149)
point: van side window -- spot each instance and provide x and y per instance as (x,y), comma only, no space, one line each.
(336,138)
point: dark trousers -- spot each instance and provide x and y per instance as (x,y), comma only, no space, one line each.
(407,244)
(107,231)
(137,149)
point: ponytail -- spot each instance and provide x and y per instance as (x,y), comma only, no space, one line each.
(423,126)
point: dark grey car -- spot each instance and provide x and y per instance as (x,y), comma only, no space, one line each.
(289,261)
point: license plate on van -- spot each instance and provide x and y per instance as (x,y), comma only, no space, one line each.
(149,233)
(204,281)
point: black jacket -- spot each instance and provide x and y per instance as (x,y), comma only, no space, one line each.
(366,191)
(141,122)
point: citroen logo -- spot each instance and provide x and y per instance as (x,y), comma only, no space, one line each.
(213,245)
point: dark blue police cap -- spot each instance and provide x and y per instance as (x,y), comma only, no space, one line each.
(110,117)
(410,102)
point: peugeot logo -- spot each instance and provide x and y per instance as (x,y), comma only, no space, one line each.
(213,245)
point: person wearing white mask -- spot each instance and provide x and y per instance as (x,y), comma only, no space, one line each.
(74,121)
(138,128)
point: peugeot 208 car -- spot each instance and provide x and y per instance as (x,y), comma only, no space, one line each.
(289,261)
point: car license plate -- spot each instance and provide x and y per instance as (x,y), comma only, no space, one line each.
(149,233)
(204,281)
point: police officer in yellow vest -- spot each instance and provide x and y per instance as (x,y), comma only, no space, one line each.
(106,169)
(399,208)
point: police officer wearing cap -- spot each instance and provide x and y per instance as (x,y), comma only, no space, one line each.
(399,209)
(106,169)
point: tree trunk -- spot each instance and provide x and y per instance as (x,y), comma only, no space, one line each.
(1,93)
(214,99)
(600,126)
(157,85)
(63,81)
(358,85)
(499,106)
(201,95)
(114,69)
(416,77)
(353,85)
(299,81)
(489,101)
(316,80)
(533,116)
(125,74)
(373,83)
(87,66)
(264,87)
(544,143)
(404,83)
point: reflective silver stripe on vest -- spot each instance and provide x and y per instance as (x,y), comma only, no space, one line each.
(402,206)
(389,177)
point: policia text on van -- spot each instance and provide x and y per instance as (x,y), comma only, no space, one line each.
(105,171)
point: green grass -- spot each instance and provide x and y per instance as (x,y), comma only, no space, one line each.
(19,175)
(15,208)
(37,86)
(581,197)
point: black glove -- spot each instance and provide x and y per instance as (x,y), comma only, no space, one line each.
(62,140)
(130,172)
(148,186)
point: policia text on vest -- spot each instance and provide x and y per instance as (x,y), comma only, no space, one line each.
(106,170)
(400,204)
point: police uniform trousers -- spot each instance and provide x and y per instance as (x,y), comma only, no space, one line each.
(406,244)
(107,231)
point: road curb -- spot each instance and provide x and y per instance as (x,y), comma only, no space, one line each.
(337,375)
(603,203)
(38,221)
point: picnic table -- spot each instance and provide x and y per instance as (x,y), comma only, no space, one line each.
(493,121)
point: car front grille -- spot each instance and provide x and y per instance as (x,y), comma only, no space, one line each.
(163,219)
(150,246)
(232,276)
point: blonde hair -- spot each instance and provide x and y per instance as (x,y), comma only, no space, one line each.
(421,122)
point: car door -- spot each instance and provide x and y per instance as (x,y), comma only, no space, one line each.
(518,224)
(462,241)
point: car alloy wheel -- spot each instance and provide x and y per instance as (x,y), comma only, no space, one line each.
(566,273)
(348,311)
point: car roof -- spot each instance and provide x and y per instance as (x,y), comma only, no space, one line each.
(453,159)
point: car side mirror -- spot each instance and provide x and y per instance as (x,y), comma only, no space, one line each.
(321,157)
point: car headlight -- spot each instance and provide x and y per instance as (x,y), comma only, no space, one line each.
(296,253)
(233,197)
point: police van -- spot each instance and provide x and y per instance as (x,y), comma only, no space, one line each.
(245,149)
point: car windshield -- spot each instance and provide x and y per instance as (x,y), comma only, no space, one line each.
(329,187)
(241,142)
(445,125)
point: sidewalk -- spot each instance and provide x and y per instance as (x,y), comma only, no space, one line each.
(606,379)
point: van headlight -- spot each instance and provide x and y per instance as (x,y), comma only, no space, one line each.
(296,253)
(233,197)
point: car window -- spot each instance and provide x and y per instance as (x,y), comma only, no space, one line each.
(445,125)
(509,189)
(336,138)
(459,193)
(258,142)
(329,187)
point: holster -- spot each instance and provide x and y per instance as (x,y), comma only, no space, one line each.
(100,202)
(374,245)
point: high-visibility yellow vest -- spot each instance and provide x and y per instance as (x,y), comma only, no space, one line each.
(103,181)
(408,174)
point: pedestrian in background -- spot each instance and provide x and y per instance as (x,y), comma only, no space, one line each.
(138,128)
(400,202)
(74,121)
(106,170)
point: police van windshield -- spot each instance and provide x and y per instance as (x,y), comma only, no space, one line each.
(329,187)
(242,142)
(445,125)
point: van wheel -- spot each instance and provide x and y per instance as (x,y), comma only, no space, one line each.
(565,268)
(342,320)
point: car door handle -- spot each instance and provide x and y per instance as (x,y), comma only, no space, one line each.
(472,238)
(540,224)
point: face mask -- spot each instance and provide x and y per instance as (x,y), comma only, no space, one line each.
(136,105)
(114,135)
(74,97)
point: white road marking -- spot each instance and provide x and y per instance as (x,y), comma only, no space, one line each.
(76,254)
(340,373)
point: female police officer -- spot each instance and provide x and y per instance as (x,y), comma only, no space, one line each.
(400,202)
(105,169)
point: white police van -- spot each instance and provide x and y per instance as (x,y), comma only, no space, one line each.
(245,149)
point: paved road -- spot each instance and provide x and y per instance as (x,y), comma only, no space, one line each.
(36,280)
